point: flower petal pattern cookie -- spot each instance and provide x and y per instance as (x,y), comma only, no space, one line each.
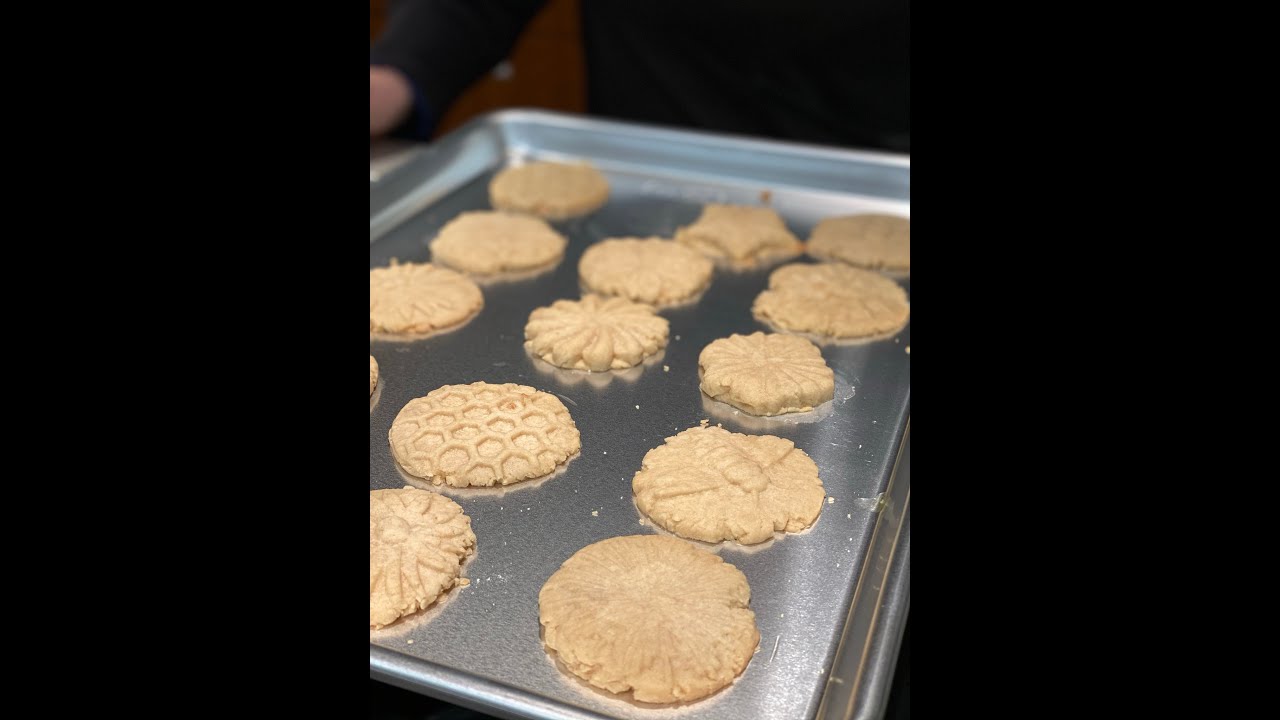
(766,374)
(488,243)
(871,241)
(417,543)
(551,190)
(373,374)
(833,300)
(482,435)
(413,298)
(740,235)
(711,484)
(649,614)
(595,333)
(648,270)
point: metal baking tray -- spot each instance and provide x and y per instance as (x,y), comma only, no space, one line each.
(830,603)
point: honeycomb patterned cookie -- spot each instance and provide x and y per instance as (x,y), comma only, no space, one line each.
(740,235)
(871,241)
(417,543)
(832,300)
(414,298)
(766,374)
(483,435)
(595,333)
(649,270)
(649,614)
(488,243)
(711,484)
(551,190)
(373,374)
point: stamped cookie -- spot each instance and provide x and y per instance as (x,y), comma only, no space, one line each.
(711,484)
(373,374)
(482,435)
(649,614)
(871,241)
(740,235)
(832,300)
(413,298)
(487,243)
(648,270)
(766,374)
(417,543)
(595,333)
(550,190)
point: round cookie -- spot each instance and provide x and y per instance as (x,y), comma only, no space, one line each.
(650,614)
(595,333)
(871,241)
(711,484)
(414,298)
(551,190)
(373,374)
(740,235)
(482,435)
(833,300)
(488,243)
(417,542)
(766,374)
(650,270)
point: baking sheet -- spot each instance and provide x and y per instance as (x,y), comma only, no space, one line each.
(829,602)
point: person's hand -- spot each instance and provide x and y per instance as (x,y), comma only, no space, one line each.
(390,99)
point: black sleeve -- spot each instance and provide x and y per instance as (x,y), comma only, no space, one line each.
(445,45)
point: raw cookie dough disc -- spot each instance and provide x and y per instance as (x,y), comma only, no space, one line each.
(487,243)
(711,484)
(482,434)
(870,241)
(650,270)
(412,298)
(766,374)
(550,190)
(741,235)
(595,333)
(651,614)
(373,374)
(417,542)
(834,300)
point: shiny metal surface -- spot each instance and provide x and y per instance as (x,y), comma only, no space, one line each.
(829,603)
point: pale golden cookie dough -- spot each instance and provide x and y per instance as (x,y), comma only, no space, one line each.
(551,190)
(741,235)
(833,300)
(413,298)
(488,243)
(650,614)
(482,434)
(595,333)
(871,241)
(711,484)
(373,374)
(766,374)
(648,270)
(417,543)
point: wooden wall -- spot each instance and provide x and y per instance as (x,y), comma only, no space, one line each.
(546,67)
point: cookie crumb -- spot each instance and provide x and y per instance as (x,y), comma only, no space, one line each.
(677,337)
(666,368)
(410,641)
(637,407)
(766,196)
(908,349)
(831,501)
(595,513)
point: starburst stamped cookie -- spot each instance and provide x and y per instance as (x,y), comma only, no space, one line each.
(595,333)
(871,241)
(741,236)
(551,190)
(489,243)
(418,541)
(832,300)
(766,373)
(483,434)
(648,270)
(418,298)
(710,484)
(650,615)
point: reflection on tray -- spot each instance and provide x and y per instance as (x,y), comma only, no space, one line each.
(597,380)
(495,491)
(725,412)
